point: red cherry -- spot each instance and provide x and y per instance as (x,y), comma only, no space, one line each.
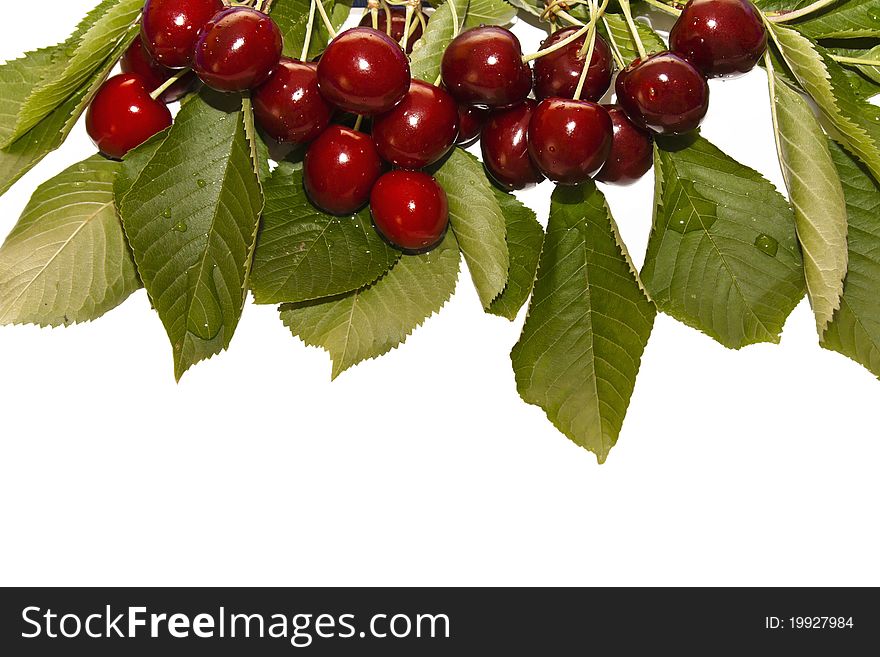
(170,28)
(483,66)
(363,71)
(410,210)
(663,93)
(505,147)
(569,140)
(340,169)
(288,106)
(419,130)
(558,73)
(719,37)
(237,49)
(398,22)
(471,120)
(123,115)
(632,152)
(137,60)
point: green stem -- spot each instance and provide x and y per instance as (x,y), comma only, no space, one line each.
(783,16)
(357,122)
(161,89)
(630,23)
(855,60)
(615,49)
(309,29)
(556,46)
(407,22)
(324,17)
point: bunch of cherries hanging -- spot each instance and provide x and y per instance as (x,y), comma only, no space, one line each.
(563,135)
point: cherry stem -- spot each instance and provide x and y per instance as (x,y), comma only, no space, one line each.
(784,16)
(309,28)
(615,49)
(859,61)
(556,46)
(387,11)
(259,5)
(324,17)
(407,22)
(590,42)
(162,88)
(357,123)
(662,6)
(630,23)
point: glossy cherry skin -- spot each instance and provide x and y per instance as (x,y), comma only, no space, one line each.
(122,115)
(419,130)
(363,71)
(398,22)
(237,50)
(471,119)
(483,66)
(288,106)
(664,93)
(505,145)
(569,140)
(170,28)
(632,151)
(137,60)
(340,169)
(719,37)
(410,210)
(558,73)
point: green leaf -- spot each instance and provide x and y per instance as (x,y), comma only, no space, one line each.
(428,51)
(533,7)
(844,20)
(587,326)
(872,54)
(17,78)
(303,253)
(292,17)
(488,12)
(103,29)
(375,319)
(815,192)
(476,219)
(525,237)
(26,152)
(66,260)
(855,330)
(723,255)
(191,217)
(849,118)
(616,31)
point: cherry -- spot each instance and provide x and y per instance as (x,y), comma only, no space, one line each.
(719,37)
(237,49)
(483,66)
(398,22)
(137,60)
(569,140)
(504,143)
(419,130)
(663,93)
(632,152)
(558,73)
(410,210)
(340,169)
(363,71)
(123,115)
(170,28)
(288,106)
(471,120)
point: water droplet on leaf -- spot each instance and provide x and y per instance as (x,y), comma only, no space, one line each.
(180,227)
(167,213)
(767,244)
(202,183)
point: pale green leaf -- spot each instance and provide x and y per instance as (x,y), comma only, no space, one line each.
(428,51)
(534,7)
(723,255)
(292,17)
(67,260)
(872,54)
(843,20)
(303,253)
(17,79)
(476,219)
(587,325)
(488,12)
(616,32)
(855,329)
(191,217)
(374,320)
(817,197)
(525,236)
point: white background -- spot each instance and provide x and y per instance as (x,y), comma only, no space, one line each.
(424,467)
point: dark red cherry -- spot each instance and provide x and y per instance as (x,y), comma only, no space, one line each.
(719,37)
(410,210)
(471,120)
(632,151)
(663,93)
(569,140)
(137,60)
(170,28)
(398,21)
(419,130)
(505,145)
(483,66)
(558,73)
(237,49)
(363,71)
(123,115)
(340,169)
(288,106)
